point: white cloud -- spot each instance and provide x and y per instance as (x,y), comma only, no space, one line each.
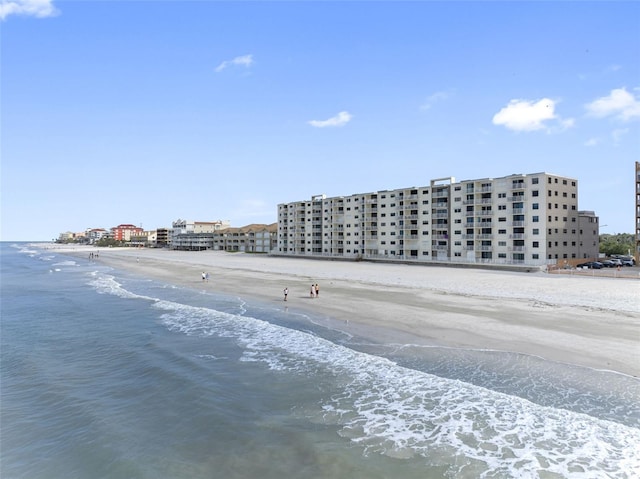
(563,124)
(525,115)
(617,135)
(245,60)
(340,119)
(620,104)
(592,142)
(435,98)
(34,8)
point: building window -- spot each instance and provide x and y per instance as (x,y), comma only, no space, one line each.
(535,219)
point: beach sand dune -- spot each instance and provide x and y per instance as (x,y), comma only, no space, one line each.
(588,321)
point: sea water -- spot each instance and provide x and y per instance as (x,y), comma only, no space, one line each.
(109,375)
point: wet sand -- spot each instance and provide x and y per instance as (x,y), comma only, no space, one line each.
(590,321)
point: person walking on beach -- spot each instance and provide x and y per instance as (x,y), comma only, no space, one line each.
(317,291)
(286,292)
(204,276)
(313,291)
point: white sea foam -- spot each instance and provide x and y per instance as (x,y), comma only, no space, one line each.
(107,284)
(401,412)
(66,263)
(24,249)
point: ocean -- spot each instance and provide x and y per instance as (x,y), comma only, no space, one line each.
(105,374)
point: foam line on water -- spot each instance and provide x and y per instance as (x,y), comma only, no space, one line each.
(398,411)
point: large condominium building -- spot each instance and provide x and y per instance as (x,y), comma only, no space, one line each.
(530,219)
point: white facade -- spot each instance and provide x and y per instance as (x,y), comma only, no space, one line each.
(518,219)
(181,227)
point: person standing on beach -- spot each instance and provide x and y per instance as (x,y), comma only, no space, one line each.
(286,292)
(317,291)
(204,276)
(313,291)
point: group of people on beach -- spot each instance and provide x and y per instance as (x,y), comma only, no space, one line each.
(205,276)
(314,292)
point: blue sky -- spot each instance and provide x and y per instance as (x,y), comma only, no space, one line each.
(145,112)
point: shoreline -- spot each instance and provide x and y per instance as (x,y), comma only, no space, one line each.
(586,321)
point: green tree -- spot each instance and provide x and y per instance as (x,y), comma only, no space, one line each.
(616,244)
(106,242)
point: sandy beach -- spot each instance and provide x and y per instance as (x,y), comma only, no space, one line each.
(581,320)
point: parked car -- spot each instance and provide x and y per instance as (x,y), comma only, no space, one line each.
(625,259)
(591,265)
(609,263)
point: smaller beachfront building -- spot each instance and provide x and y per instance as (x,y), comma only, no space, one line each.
(254,238)
(124,232)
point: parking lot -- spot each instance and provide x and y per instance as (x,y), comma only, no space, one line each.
(632,272)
